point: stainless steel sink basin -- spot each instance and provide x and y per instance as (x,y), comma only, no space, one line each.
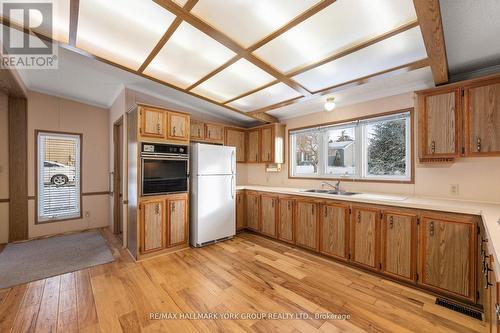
(330,192)
(317,191)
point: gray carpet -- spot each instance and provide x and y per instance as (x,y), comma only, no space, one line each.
(43,258)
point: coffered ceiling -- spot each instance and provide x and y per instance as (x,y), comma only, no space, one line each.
(253,56)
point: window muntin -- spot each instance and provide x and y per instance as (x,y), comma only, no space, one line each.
(58,176)
(377,148)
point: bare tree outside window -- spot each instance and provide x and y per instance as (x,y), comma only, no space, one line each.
(307,153)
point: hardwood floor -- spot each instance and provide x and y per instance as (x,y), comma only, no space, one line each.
(248,274)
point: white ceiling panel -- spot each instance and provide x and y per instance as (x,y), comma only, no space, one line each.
(237,79)
(271,95)
(180,61)
(60,22)
(122,31)
(398,50)
(343,24)
(248,21)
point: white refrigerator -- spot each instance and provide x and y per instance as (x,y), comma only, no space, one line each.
(213,194)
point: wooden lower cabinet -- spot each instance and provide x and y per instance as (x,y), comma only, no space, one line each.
(306,224)
(253,211)
(269,205)
(334,230)
(447,260)
(177,219)
(152,225)
(240,211)
(364,236)
(286,218)
(399,245)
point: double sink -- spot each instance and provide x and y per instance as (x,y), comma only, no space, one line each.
(332,192)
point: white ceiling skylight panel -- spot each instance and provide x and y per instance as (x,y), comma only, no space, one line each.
(237,79)
(248,21)
(188,56)
(276,93)
(123,31)
(60,19)
(342,25)
(398,50)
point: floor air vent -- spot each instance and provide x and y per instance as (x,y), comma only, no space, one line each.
(459,308)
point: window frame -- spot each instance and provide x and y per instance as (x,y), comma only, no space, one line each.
(360,174)
(37,197)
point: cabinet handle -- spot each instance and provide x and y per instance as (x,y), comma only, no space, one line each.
(312,209)
(433,146)
(288,205)
(157,209)
(174,130)
(199,134)
(359,217)
(209,134)
(326,213)
(268,156)
(478,142)
(431,228)
(486,278)
(172,207)
(391,222)
(256,157)
(272,203)
(158,128)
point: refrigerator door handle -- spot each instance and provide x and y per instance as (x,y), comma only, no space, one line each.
(232,187)
(233,162)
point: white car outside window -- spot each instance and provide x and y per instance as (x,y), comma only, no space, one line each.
(58,174)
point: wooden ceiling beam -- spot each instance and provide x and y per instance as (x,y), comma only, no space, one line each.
(342,86)
(429,18)
(166,36)
(229,43)
(74,9)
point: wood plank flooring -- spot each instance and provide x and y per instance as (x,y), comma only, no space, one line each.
(246,275)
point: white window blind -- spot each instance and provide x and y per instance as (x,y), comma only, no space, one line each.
(58,165)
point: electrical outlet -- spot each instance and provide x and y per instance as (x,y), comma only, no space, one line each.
(454,189)
(87,213)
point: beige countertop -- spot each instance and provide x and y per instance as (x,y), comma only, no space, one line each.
(489,212)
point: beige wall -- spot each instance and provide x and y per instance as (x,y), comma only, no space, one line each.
(4,168)
(478,178)
(57,114)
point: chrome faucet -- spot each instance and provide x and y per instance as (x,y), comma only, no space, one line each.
(336,186)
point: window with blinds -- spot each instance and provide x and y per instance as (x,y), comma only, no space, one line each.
(371,148)
(58,176)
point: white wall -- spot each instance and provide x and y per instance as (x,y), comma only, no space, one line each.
(4,168)
(478,178)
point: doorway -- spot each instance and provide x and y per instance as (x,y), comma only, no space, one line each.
(118,178)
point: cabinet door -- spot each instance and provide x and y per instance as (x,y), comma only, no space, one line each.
(286,214)
(482,105)
(364,236)
(306,223)
(236,138)
(441,124)
(334,230)
(178,126)
(447,255)
(178,220)
(197,131)
(253,211)
(253,148)
(267,145)
(269,204)
(240,211)
(214,132)
(152,123)
(399,247)
(152,225)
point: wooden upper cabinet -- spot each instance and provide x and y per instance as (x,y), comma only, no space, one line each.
(269,205)
(152,123)
(253,148)
(197,132)
(267,147)
(178,126)
(399,245)
(152,225)
(306,224)
(177,219)
(439,123)
(286,218)
(240,211)
(214,133)
(235,137)
(447,255)
(364,239)
(334,230)
(253,211)
(482,118)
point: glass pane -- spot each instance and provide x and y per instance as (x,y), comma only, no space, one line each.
(386,148)
(307,146)
(341,151)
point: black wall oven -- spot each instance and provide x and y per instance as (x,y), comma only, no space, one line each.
(164,169)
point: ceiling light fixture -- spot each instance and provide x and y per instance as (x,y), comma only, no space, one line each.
(330,104)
